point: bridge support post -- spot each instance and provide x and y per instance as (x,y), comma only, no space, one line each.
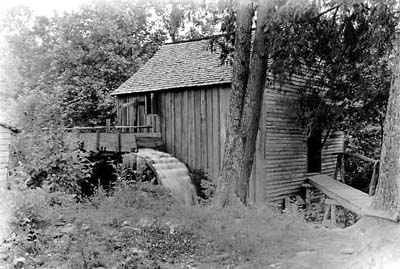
(330,207)
(308,194)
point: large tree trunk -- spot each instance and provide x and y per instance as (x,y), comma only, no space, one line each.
(388,190)
(253,103)
(245,106)
(234,143)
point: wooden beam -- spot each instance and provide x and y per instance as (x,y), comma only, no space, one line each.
(374,178)
(359,156)
(334,189)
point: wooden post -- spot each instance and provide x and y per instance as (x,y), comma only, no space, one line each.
(326,215)
(98,140)
(338,165)
(333,215)
(374,178)
(330,205)
(288,206)
(156,127)
(342,170)
(119,141)
(308,195)
(149,122)
(108,125)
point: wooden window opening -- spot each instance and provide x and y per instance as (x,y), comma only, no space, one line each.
(314,152)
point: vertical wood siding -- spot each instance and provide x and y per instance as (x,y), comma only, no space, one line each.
(5,140)
(195,133)
(193,126)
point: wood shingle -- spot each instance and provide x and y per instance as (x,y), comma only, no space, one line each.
(179,65)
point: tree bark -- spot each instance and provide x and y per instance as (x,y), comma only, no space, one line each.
(248,83)
(253,103)
(388,189)
(234,143)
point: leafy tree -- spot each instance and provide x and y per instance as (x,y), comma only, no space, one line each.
(76,59)
(340,47)
(189,19)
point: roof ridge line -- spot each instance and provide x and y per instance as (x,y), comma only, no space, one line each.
(198,39)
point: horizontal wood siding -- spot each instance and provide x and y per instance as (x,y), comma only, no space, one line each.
(333,145)
(285,149)
(5,140)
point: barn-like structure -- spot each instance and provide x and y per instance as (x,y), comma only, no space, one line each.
(7,134)
(182,96)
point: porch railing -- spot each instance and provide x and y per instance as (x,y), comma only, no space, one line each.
(340,168)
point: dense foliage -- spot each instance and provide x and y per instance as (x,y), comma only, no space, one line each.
(346,49)
(45,159)
(341,46)
(350,49)
(62,69)
(69,64)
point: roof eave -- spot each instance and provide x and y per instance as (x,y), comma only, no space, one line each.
(116,93)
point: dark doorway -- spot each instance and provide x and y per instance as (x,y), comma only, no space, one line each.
(314,152)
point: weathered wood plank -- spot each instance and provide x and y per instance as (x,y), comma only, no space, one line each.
(197,127)
(128,142)
(168,123)
(178,124)
(149,142)
(210,159)
(108,142)
(192,130)
(203,130)
(342,193)
(5,135)
(163,116)
(172,126)
(4,147)
(216,133)
(185,129)
(224,113)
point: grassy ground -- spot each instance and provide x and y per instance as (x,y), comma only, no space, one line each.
(142,227)
(5,219)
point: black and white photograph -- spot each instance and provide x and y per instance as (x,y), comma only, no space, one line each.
(200,134)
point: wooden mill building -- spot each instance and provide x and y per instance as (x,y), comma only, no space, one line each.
(183,93)
(7,134)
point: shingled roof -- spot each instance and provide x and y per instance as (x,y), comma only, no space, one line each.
(179,65)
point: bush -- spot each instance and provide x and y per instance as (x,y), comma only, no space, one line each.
(204,186)
(48,159)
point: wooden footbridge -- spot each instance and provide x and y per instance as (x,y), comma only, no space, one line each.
(344,195)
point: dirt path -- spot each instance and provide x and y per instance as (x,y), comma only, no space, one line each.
(330,249)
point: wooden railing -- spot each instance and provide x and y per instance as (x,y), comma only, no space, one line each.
(340,166)
(117,138)
(152,126)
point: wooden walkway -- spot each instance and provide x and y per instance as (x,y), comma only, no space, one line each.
(348,197)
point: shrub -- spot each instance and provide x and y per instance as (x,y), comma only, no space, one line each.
(48,159)
(205,187)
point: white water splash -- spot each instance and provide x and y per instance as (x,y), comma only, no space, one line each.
(170,173)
